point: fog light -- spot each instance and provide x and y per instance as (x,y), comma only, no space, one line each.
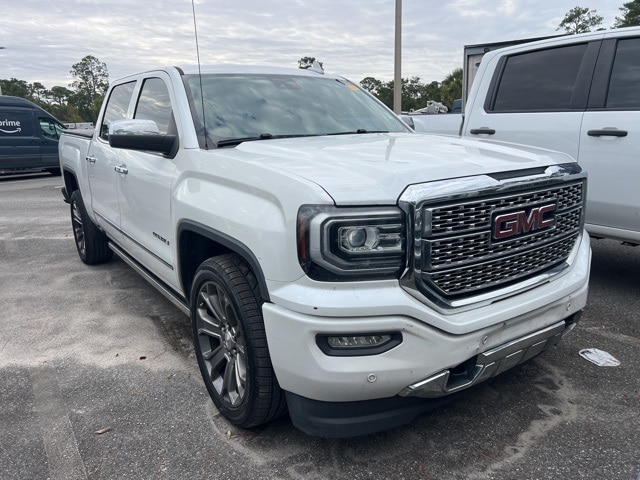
(349,345)
(364,341)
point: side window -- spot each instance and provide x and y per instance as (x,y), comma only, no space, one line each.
(543,80)
(116,107)
(624,87)
(154,104)
(49,128)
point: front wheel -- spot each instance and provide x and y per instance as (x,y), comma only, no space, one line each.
(230,342)
(92,244)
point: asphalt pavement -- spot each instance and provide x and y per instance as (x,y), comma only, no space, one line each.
(99,381)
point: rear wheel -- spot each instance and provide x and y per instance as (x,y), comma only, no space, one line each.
(92,244)
(230,342)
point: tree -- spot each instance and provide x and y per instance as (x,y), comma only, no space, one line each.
(67,113)
(60,95)
(90,84)
(580,20)
(38,92)
(15,88)
(371,85)
(630,15)
(451,88)
(60,106)
(65,104)
(415,93)
(307,62)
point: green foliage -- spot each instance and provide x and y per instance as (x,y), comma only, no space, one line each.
(90,84)
(16,88)
(630,15)
(415,93)
(70,106)
(451,88)
(580,20)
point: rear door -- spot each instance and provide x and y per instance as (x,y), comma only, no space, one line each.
(19,140)
(610,141)
(103,163)
(536,97)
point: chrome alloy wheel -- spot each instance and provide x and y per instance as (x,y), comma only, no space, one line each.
(221,341)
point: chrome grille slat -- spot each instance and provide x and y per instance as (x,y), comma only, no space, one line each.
(465,217)
(444,253)
(498,272)
(458,256)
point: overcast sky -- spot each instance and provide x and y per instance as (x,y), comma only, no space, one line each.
(355,38)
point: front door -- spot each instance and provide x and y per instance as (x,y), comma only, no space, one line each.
(145,189)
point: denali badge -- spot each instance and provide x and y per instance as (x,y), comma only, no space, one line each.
(511,224)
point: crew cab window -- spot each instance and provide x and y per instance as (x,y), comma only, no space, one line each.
(117,107)
(542,80)
(624,87)
(154,104)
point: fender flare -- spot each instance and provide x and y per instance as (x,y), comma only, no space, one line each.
(229,243)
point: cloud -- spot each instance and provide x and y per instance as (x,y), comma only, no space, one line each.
(354,38)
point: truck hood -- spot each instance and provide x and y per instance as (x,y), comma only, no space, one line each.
(376,168)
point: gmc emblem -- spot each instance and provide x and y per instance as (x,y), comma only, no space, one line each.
(510,224)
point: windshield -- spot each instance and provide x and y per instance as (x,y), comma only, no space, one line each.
(242,107)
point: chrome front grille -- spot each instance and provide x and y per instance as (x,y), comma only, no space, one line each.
(496,272)
(464,217)
(460,252)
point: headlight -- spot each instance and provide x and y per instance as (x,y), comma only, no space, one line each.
(347,244)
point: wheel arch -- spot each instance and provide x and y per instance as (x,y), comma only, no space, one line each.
(197,242)
(70,183)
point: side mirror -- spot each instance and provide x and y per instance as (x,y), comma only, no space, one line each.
(141,135)
(408,120)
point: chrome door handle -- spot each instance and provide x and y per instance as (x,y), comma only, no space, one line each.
(121,169)
(90,159)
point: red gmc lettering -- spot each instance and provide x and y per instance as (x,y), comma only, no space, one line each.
(515,223)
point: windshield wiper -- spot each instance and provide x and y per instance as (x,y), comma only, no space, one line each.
(229,142)
(360,130)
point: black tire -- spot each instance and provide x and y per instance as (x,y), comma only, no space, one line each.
(54,171)
(92,244)
(231,344)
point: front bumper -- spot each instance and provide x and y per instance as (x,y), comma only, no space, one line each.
(430,362)
(349,419)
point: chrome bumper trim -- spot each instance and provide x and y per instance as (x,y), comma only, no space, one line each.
(491,363)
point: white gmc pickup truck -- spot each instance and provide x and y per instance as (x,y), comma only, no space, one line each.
(332,261)
(578,94)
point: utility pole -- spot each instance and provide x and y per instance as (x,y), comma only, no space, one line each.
(397,74)
(1,48)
